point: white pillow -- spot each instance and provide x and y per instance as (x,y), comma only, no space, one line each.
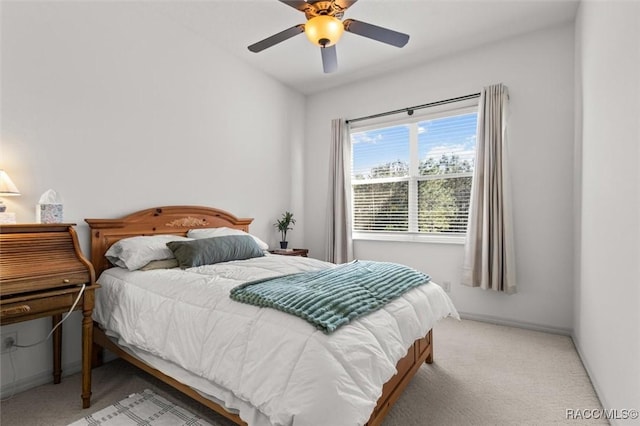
(135,252)
(221,232)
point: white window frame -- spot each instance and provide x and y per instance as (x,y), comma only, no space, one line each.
(412,235)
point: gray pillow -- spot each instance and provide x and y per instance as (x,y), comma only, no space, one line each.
(208,251)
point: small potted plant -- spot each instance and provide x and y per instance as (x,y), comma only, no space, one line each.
(284,224)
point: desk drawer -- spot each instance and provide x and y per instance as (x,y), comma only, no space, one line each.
(47,304)
(43,282)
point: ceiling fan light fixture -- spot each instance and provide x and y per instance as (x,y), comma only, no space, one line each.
(324,30)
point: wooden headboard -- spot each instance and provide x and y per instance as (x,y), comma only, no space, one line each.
(175,220)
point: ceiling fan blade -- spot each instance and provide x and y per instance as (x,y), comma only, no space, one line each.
(296,4)
(375,32)
(276,38)
(345,4)
(329,59)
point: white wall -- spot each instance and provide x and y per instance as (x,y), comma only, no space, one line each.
(119,110)
(538,69)
(607,315)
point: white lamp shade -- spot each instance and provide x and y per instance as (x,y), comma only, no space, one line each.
(7,187)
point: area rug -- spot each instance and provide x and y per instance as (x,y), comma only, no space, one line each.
(144,408)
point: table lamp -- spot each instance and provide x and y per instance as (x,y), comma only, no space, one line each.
(7,188)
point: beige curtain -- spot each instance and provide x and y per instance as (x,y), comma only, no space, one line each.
(489,261)
(339,244)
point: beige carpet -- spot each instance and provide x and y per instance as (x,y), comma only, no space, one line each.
(483,374)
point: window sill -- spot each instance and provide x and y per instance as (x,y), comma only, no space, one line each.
(412,237)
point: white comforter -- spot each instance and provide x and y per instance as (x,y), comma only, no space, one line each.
(272,367)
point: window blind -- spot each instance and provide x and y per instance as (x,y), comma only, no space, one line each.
(414,176)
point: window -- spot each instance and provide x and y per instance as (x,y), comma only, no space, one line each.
(413,177)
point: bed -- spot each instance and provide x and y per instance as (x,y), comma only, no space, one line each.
(289,372)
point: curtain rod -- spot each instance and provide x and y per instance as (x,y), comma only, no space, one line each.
(410,110)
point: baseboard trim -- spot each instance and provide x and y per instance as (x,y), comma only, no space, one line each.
(519,324)
(41,378)
(594,383)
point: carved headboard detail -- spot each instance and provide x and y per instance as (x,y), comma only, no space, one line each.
(188,221)
(176,220)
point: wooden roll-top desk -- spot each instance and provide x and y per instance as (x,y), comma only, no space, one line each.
(42,271)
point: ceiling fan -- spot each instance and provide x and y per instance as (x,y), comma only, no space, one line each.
(324,27)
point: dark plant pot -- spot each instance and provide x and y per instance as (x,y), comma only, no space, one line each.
(283,244)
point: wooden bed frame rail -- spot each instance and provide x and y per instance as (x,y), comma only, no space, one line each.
(420,352)
(101,340)
(178,220)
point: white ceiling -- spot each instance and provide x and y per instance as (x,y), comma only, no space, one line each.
(436,28)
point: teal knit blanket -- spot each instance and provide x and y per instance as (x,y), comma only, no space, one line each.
(330,298)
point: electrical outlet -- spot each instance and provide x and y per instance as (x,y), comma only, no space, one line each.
(8,341)
(446,286)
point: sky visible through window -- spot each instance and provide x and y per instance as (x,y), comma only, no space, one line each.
(453,135)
